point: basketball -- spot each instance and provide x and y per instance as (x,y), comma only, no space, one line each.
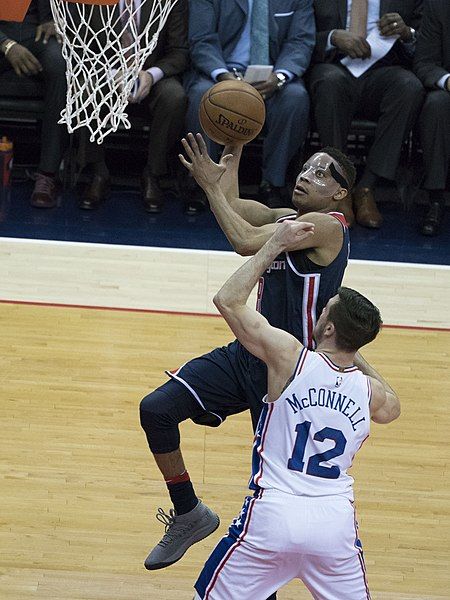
(232,111)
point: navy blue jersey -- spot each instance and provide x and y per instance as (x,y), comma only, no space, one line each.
(294,290)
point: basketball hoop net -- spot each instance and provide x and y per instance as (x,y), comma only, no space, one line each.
(105,47)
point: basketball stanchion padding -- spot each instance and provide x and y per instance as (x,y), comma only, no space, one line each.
(232,111)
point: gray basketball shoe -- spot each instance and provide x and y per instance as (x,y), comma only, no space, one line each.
(181,532)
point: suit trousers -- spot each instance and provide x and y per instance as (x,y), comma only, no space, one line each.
(54,136)
(434,129)
(390,95)
(166,105)
(284,130)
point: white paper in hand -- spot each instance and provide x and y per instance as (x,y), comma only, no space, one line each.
(257,73)
(379,45)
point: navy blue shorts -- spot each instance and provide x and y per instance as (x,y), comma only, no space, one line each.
(225,382)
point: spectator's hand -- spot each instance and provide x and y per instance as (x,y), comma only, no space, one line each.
(267,88)
(289,234)
(46,31)
(204,170)
(351,44)
(393,24)
(23,61)
(145,85)
(447,84)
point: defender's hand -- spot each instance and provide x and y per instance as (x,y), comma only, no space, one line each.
(204,170)
(289,234)
(351,44)
(23,61)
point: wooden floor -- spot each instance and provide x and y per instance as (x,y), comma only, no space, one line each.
(79,488)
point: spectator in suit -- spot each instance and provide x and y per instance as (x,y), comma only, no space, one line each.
(432,66)
(387,92)
(161,91)
(225,36)
(32,49)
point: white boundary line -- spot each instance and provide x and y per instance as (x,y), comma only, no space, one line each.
(356,261)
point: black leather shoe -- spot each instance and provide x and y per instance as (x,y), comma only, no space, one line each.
(432,222)
(194,197)
(152,196)
(272,196)
(95,193)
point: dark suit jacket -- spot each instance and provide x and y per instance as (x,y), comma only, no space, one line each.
(215,27)
(332,14)
(171,53)
(12,30)
(432,58)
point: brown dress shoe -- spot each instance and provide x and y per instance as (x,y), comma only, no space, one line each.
(45,193)
(95,193)
(346,207)
(367,213)
(152,196)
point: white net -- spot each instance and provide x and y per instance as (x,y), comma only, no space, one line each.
(105,48)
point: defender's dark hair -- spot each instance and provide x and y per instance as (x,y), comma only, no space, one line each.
(356,320)
(345,163)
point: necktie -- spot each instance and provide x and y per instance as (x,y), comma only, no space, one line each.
(259,33)
(358,17)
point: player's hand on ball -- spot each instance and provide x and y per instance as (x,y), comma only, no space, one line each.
(204,170)
(290,235)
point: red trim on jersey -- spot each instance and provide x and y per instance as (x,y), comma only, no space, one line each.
(340,217)
(233,547)
(261,446)
(360,553)
(331,364)
(309,307)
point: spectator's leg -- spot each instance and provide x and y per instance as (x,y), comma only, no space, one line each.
(334,97)
(392,96)
(54,136)
(286,126)
(167,105)
(435,140)
(194,198)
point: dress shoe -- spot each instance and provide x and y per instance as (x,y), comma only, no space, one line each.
(95,193)
(346,207)
(433,219)
(152,195)
(272,196)
(45,193)
(194,197)
(367,213)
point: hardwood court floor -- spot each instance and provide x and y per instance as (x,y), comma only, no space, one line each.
(79,489)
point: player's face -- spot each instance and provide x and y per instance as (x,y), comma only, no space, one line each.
(315,186)
(322,322)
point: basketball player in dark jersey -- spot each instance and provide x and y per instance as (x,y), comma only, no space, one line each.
(291,295)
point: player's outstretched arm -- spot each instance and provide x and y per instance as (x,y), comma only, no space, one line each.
(245,238)
(277,348)
(385,404)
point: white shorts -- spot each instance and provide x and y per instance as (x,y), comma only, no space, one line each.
(278,537)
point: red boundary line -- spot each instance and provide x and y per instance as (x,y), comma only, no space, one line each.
(175,312)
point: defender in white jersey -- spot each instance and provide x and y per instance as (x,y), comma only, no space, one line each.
(300,522)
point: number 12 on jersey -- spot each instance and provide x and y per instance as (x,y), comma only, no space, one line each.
(296,462)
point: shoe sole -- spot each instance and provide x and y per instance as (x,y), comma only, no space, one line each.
(163,565)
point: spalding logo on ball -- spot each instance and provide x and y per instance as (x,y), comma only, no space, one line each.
(232,111)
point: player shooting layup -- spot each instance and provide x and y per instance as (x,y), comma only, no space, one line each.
(300,522)
(293,292)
